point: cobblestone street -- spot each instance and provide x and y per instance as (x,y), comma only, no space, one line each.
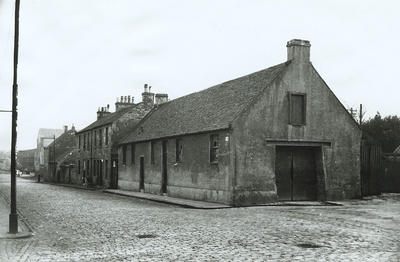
(82,225)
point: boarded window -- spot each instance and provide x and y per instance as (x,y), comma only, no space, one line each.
(124,154)
(133,149)
(178,150)
(297,109)
(214,148)
(152,152)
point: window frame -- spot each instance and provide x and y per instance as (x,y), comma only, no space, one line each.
(178,150)
(107,131)
(304,95)
(214,148)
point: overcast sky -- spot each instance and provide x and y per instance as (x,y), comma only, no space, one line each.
(78,55)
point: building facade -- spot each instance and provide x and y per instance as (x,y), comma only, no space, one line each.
(97,156)
(274,135)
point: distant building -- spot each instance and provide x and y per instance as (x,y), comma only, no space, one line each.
(44,138)
(97,154)
(26,160)
(56,154)
(276,134)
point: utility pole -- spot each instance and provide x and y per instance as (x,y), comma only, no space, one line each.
(54,157)
(13,218)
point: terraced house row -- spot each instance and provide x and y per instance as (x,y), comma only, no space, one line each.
(276,134)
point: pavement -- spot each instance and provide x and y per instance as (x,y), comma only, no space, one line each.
(168,200)
(82,225)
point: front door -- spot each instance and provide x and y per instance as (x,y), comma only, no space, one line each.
(141,174)
(164,180)
(296,173)
(114,171)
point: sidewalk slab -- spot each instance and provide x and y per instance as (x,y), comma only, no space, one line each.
(168,200)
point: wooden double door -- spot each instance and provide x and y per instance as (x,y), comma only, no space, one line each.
(295,171)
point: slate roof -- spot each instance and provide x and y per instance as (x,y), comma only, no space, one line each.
(211,109)
(108,119)
(63,144)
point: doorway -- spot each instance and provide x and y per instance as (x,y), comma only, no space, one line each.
(141,174)
(164,180)
(295,171)
(114,171)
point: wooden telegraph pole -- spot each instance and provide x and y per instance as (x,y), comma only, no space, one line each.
(13,218)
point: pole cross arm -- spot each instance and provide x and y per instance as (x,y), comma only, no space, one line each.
(5,111)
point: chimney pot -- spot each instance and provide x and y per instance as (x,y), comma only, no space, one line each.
(65,129)
(145,88)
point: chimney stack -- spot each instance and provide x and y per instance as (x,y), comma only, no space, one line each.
(161,98)
(298,50)
(102,111)
(123,102)
(147,97)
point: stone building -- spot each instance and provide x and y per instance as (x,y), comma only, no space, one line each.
(44,138)
(276,134)
(56,153)
(97,154)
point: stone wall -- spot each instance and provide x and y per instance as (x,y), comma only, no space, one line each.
(192,178)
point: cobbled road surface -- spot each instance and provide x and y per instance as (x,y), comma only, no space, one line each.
(81,225)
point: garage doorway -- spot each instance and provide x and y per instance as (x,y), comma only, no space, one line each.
(296,174)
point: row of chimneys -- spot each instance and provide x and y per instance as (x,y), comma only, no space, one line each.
(125,101)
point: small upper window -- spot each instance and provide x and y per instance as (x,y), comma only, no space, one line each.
(178,150)
(297,114)
(214,148)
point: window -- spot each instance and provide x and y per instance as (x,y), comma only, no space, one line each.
(100,137)
(106,142)
(79,166)
(133,149)
(152,152)
(79,142)
(84,141)
(214,147)
(178,150)
(95,138)
(124,154)
(297,114)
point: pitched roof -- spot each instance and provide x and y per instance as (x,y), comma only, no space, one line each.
(211,109)
(108,119)
(63,145)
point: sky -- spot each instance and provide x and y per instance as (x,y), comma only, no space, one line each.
(78,55)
